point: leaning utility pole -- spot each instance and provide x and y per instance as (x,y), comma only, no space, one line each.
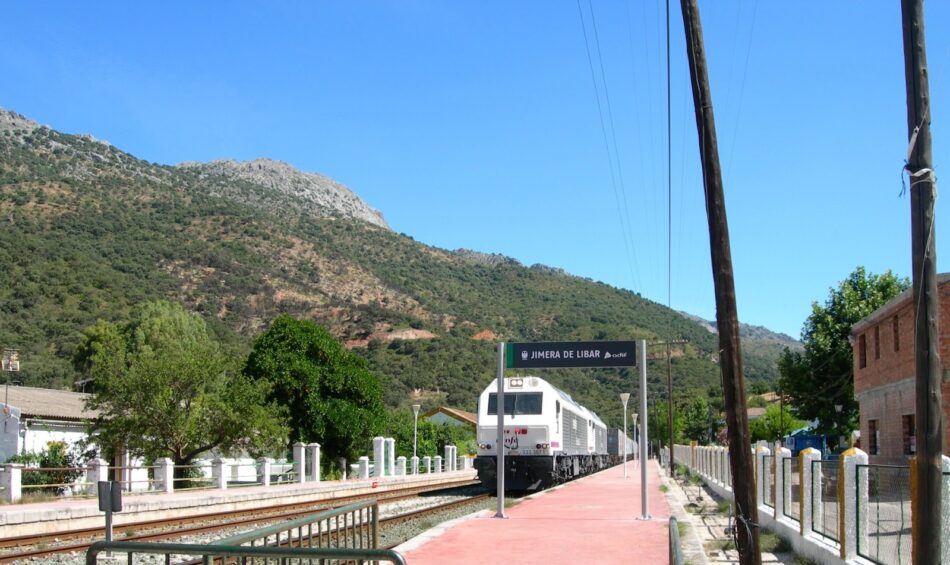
(740,455)
(929,432)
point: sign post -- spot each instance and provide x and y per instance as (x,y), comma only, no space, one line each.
(553,355)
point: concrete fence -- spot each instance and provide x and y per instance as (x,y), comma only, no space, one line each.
(223,474)
(820,506)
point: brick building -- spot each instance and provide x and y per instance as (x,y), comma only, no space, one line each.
(884,383)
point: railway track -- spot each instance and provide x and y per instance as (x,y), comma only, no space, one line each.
(170,529)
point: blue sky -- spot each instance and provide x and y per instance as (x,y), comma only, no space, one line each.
(476,125)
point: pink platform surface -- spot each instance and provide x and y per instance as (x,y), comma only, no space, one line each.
(590,520)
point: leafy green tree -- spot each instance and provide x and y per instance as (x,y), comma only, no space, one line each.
(774,424)
(821,377)
(61,467)
(332,397)
(164,388)
(696,419)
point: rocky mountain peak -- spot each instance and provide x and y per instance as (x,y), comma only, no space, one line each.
(10,121)
(314,191)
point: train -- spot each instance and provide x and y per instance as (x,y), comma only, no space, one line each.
(548,437)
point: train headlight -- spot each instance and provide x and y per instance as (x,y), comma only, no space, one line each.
(484,445)
(542,445)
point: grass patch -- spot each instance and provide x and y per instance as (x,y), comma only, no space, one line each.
(664,488)
(804,561)
(770,542)
(509,502)
(692,508)
(724,507)
(682,528)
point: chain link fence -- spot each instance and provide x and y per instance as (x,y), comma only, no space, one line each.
(790,505)
(888,536)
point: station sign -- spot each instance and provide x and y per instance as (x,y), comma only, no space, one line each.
(562,354)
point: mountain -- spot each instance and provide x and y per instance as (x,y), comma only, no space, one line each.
(88,231)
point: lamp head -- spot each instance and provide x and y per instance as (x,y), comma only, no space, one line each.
(415,409)
(624,397)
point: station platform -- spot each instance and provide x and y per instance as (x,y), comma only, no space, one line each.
(591,520)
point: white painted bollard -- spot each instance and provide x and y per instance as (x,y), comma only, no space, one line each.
(96,470)
(300,461)
(810,477)
(11,481)
(364,467)
(427,464)
(379,459)
(264,468)
(415,465)
(164,475)
(783,483)
(400,466)
(219,473)
(314,462)
(390,456)
(437,463)
(848,502)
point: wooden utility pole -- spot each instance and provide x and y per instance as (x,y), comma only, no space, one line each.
(730,359)
(929,432)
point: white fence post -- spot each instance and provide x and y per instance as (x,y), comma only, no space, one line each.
(219,472)
(164,475)
(379,456)
(760,474)
(12,482)
(96,470)
(809,489)
(400,466)
(783,482)
(364,467)
(427,464)
(314,462)
(437,463)
(390,456)
(264,465)
(448,458)
(848,502)
(415,465)
(300,462)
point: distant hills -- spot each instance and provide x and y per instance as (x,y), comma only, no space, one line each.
(88,231)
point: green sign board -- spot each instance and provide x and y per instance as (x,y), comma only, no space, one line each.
(560,354)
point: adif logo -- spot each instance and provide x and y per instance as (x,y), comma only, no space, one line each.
(524,355)
(606,355)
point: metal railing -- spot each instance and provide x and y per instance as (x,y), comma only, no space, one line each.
(244,555)
(352,526)
(676,552)
(792,495)
(888,508)
(825,502)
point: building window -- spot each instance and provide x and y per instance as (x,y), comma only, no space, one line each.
(877,342)
(873,436)
(862,352)
(908,432)
(897,334)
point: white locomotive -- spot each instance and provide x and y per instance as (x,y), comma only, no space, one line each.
(548,437)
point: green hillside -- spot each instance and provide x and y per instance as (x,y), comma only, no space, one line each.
(88,231)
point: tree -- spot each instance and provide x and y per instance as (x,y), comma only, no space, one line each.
(820,378)
(331,395)
(164,388)
(696,420)
(774,424)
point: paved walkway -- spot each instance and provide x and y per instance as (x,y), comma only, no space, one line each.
(590,520)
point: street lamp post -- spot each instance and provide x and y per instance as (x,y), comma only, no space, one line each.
(415,427)
(624,397)
(636,438)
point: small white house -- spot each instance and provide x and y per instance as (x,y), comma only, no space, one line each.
(34,417)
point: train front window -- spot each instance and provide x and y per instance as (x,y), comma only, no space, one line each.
(516,403)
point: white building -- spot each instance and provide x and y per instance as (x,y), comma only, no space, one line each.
(33,417)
